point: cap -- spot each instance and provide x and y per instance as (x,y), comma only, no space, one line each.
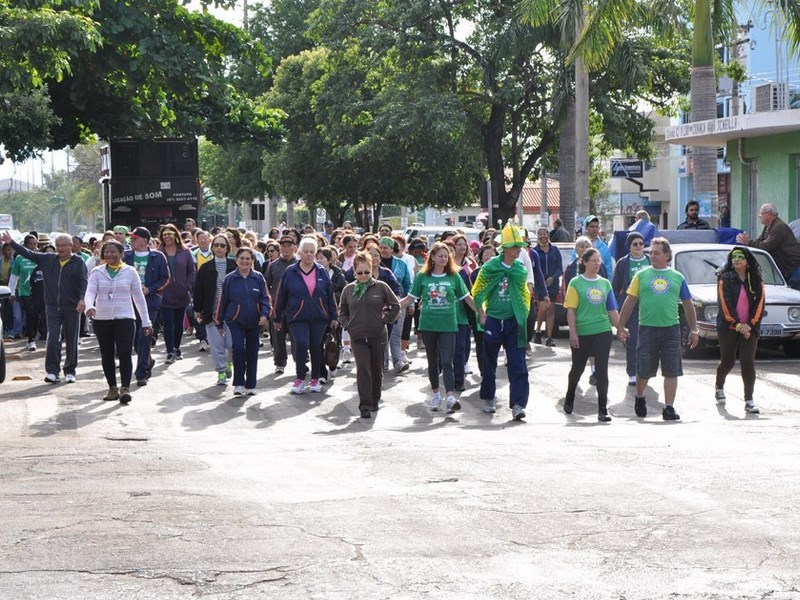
(287,239)
(416,245)
(121,229)
(589,219)
(142,232)
(474,244)
(328,222)
(387,241)
(632,236)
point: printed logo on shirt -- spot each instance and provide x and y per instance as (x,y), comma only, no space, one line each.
(660,285)
(503,291)
(437,295)
(595,295)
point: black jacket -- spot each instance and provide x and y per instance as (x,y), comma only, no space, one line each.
(63,286)
(728,289)
(205,287)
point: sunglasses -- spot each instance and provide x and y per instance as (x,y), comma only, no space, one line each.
(363,272)
(218,245)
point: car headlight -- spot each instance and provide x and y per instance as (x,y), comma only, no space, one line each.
(794,313)
(710,313)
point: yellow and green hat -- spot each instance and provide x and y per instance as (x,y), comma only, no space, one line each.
(511,237)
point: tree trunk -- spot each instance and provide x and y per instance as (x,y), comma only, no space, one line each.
(566,170)
(704,107)
(581,131)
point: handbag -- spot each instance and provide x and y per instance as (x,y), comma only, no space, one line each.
(330,349)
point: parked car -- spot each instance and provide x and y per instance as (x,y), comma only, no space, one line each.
(5,292)
(699,264)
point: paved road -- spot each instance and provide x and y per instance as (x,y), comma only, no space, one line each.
(190,492)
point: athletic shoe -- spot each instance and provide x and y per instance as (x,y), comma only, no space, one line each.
(222,379)
(750,407)
(323,380)
(453,405)
(332,373)
(550,343)
(141,382)
(203,346)
(69,378)
(401,367)
(124,395)
(347,355)
(250,392)
(238,390)
(517,412)
(229,370)
(31,346)
(365,414)
(111,395)
(537,337)
(669,414)
(279,370)
(178,354)
(467,369)
(640,406)
(489,406)
(170,359)
(298,386)
(315,386)
(632,380)
(719,394)
(436,401)
(569,404)
(52,378)
(592,379)
(603,417)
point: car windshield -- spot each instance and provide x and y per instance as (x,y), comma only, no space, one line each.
(700,266)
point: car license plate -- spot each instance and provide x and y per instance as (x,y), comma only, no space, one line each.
(771,331)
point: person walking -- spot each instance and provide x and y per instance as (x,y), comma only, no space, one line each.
(177,293)
(399,269)
(273,272)
(658,290)
(151,266)
(439,288)
(206,296)
(626,268)
(366,307)
(111,293)
(591,310)
(552,269)
(65,280)
(503,297)
(20,281)
(740,295)
(243,307)
(305,300)
(201,254)
(484,254)
(777,239)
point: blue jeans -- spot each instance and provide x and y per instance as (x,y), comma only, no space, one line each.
(307,339)
(173,328)
(245,354)
(142,345)
(461,352)
(659,344)
(497,334)
(632,345)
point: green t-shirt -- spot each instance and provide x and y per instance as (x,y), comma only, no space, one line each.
(439,297)
(591,299)
(22,268)
(637,264)
(500,307)
(140,264)
(659,291)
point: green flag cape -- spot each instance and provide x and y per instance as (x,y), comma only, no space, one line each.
(487,286)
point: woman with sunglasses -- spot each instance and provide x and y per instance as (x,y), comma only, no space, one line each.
(626,268)
(207,293)
(176,294)
(367,306)
(244,307)
(740,294)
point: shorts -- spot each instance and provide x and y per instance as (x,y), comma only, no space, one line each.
(553,292)
(659,344)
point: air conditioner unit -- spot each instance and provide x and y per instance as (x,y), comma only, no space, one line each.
(770,96)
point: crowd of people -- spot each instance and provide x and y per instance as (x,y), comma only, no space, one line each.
(333,296)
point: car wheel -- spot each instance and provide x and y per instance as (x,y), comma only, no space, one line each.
(792,349)
(2,362)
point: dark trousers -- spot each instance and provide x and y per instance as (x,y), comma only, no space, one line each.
(368,354)
(115,338)
(440,348)
(279,352)
(729,343)
(478,335)
(69,320)
(31,317)
(406,333)
(245,343)
(199,328)
(307,339)
(142,344)
(173,328)
(461,353)
(599,346)
(503,334)
(631,346)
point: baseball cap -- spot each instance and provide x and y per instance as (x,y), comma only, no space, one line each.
(589,219)
(141,232)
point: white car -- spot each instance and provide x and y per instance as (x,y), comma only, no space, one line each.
(5,292)
(780,325)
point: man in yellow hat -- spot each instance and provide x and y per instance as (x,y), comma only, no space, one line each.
(503,298)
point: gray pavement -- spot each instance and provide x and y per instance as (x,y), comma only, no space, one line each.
(192,493)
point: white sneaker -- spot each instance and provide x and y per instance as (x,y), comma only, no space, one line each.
(719,394)
(517,412)
(750,407)
(203,346)
(347,355)
(436,401)
(298,387)
(315,386)
(467,369)
(489,406)
(31,346)
(250,392)
(69,378)
(452,405)
(238,390)
(401,367)
(52,378)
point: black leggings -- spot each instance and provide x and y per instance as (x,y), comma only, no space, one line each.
(599,346)
(439,349)
(729,342)
(115,338)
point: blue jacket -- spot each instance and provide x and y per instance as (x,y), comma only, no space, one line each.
(293,302)
(244,300)
(550,262)
(156,276)
(538,276)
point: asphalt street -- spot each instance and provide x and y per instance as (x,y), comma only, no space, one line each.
(190,492)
